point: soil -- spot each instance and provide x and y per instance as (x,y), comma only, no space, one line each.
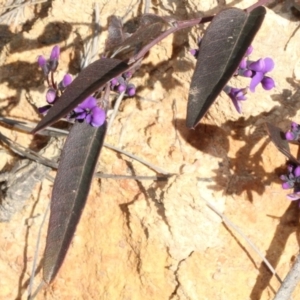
(143,239)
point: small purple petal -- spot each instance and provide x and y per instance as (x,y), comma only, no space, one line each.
(236,95)
(249,50)
(43,65)
(121,88)
(290,136)
(290,168)
(287,185)
(78,109)
(247,73)
(81,115)
(67,80)
(88,119)
(194,52)
(297,171)
(283,177)
(44,109)
(88,103)
(98,117)
(256,79)
(127,74)
(51,95)
(257,66)
(294,126)
(243,64)
(269,64)
(42,61)
(130,90)
(293,197)
(114,82)
(241,96)
(55,53)
(267,83)
(237,105)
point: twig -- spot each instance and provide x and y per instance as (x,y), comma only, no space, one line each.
(36,252)
(13,14)
(35,156)
(115,111)
(141,160)
(147,6)
(290,281)
(28,153)
(91,46)
(233,226)
(23,4)
(56,132)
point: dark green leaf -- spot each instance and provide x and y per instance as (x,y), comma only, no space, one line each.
(144,34)
(222,49)
(89,80)
(116,35)
(70,191)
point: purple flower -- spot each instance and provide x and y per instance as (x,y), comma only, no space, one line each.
(54,56)
(51,95)
(294,196)
(249,50)
(130,90)
(43,64)
(258,70)
(67,80)
(292,179)
(114,82)
(236,95)
(294,133)
(44,109)
(194,52)
(89,111)
(55,53)
(121,88)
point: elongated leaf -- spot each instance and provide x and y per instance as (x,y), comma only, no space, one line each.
(70,191)
(116,35)
(144,35)
(90,79)
(222,49)
(277,137)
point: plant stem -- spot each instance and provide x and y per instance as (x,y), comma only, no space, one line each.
(290,281)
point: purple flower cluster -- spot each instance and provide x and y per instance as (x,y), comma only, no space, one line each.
(292,180)
(87,110)
(294,133)
(256,70)
(121,84)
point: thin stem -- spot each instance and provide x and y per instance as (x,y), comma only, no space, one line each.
(134,177)
(115,111)
(233,226)
(141,160)
(257,4)
(52,80)
(58,132)
(36,252)
(177,26)
(290,281)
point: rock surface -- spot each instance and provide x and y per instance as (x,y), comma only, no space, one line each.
(159,240)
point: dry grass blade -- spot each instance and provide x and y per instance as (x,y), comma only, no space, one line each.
(228,223)
(13,11)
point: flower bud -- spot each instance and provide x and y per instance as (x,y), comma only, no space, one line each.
(51,95)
